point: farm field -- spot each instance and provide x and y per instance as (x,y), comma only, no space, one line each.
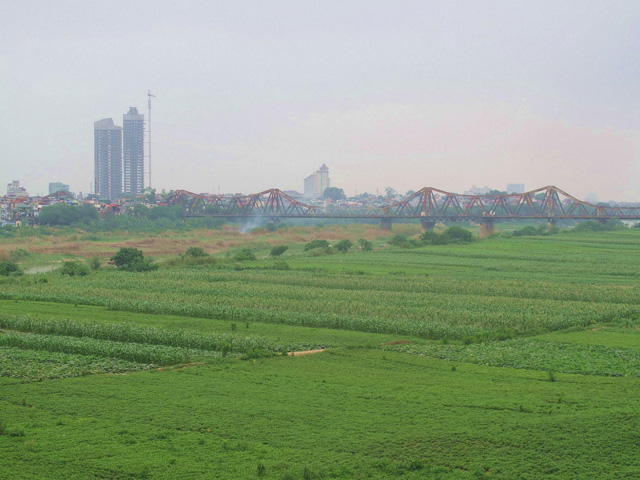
(503,358)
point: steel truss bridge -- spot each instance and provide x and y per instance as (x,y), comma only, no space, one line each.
(428,204)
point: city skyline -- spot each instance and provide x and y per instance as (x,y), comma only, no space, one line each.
(442,94)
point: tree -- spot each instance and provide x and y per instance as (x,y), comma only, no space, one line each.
(279,250)
(365,245)
(344,245)
(316,244)
(7,268)
(132,259)
(243,255)
(63,214)
(334,194)
(410,192)
(390,192)
(150,194)
(458,234)
(74,268)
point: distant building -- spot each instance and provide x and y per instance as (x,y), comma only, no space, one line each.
(515,187)
(107,159)
(317,183)
(57,187)
(592,197)
(133,152)
(14,190)
(309,186)
(478,190)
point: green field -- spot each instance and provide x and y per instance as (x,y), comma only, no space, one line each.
(503,358)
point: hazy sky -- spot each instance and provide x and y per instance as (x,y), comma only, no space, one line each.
(254,95)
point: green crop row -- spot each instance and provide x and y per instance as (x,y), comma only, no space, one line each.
(132,333)
(133,352)
(536,355)
(18,363)
(426,314)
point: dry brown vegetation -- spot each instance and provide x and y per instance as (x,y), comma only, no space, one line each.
(212,241)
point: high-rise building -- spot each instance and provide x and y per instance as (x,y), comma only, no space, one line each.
(316,184)
(133,152)
(57,187)
(107,159)
(515,187)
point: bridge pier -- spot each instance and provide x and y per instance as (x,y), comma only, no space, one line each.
(427,225)
(487,227)
(551,223)
(385,223)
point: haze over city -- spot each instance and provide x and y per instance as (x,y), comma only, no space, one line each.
(401,94)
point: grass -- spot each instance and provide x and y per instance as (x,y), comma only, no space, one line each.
(347,414)
(555,356)
(523,361)
(39,365)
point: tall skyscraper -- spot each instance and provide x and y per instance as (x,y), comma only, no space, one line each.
(317,183)
(133,152)
(107,159)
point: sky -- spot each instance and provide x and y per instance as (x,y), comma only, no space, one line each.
(252,95)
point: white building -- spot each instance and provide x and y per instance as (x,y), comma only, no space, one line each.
(14,190)
(478,190)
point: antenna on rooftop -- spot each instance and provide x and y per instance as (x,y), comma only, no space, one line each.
(149,136)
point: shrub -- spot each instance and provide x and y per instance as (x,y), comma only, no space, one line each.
(365,245)
(74,268)
(281,266)
(94,263)
(430,237)
(144,265)
(450,235)
(398,240)
(126,257)
(243,255)
(132,259)
(593,226)
(7,268)
(528,231)
(19,253)
(459,234)
(321,252)
(535,231)
(195,252)
(279,250)
(344,245)
(316,244)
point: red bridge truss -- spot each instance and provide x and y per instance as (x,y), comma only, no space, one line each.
(428,204)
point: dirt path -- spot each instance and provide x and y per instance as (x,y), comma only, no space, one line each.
(307,352)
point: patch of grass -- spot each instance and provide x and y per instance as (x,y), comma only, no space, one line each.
(537,355)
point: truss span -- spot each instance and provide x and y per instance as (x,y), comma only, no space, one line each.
(427,203)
